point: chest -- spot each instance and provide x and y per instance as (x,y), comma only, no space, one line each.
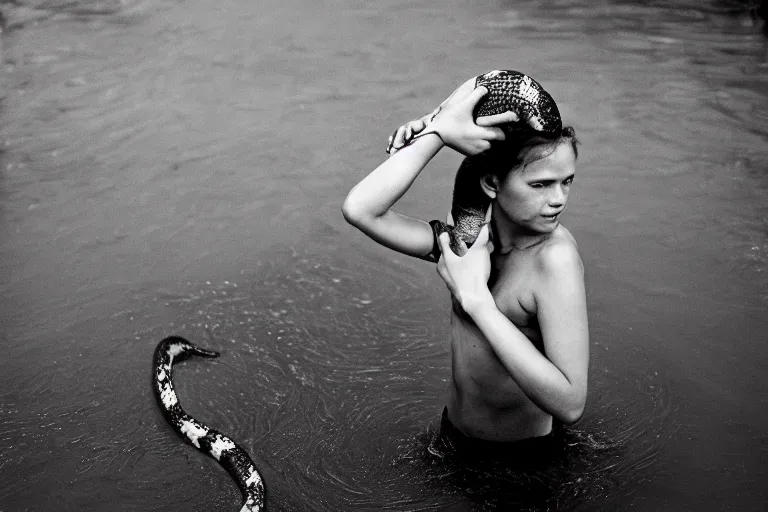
(512,283)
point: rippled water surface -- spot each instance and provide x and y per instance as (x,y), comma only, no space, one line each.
(178,167)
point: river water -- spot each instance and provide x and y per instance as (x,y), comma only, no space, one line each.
(178,168)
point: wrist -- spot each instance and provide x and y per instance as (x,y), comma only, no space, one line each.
(477,303)
(429,131)
(444,129)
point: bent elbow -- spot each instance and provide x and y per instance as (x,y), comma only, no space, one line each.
(572,405)
(351,212)
(573,411)
(572,415)
(358,212)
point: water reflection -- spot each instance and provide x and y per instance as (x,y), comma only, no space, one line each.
(160,159)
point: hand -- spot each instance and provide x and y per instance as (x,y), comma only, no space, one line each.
(467,276)
(404,135)
(480,133)
(454,123)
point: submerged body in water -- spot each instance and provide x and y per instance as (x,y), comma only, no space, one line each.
(519,341)
(542,473)
(147,156)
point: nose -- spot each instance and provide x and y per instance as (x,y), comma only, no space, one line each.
(559,196)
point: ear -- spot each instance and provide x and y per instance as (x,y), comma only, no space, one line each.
(490,185)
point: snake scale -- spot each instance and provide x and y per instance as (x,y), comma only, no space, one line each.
(211,442)
(507,91)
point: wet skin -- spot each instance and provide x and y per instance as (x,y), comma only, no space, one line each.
(519,339)
(484,400)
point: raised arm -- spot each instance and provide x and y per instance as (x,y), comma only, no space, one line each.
(368,205)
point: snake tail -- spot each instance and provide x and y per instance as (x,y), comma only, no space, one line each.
(209,441)
(469,206)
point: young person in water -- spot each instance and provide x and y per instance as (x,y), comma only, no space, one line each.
(519,342)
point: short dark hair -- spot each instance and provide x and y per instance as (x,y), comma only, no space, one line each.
(518,150)
(515,152)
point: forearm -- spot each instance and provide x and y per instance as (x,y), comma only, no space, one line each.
(537,376)
(382,188)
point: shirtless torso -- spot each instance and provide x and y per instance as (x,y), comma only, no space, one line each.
(484,401)
(519,344)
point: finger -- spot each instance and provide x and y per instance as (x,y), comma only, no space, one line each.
(442,271)
(412,129)
(463,90)
(449,220)
(399,141)
(489,214)
(482,237)
(476,95)
(391,142)
(496,119)
(400,137)
(492,134)
(469,85)
(445,245)
(462,247)
(536,122)
(483,145)
(488,219)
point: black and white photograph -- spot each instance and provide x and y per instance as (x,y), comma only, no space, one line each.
(357,255)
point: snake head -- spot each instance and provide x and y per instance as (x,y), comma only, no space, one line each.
(180,348)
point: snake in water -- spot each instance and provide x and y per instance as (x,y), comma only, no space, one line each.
(211,442)
(507,91)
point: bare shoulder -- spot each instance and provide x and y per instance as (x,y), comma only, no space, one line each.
(559,256)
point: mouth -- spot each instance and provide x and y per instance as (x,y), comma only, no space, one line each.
(551,218)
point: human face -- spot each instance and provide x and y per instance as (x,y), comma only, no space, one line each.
(531,198)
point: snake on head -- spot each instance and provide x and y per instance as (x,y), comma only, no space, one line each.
(537,115)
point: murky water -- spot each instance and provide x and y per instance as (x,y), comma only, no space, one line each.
(178,167)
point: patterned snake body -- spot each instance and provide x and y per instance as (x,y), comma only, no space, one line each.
(515,91)
(507,91)
(211,442)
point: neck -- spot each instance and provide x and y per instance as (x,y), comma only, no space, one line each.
(509,236)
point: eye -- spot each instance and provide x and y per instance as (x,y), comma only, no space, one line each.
(537,185)
(568,181)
